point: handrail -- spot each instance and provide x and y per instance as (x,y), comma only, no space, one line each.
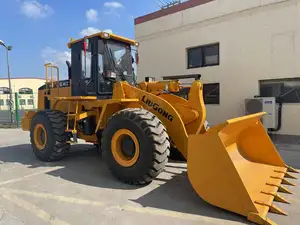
(51,79)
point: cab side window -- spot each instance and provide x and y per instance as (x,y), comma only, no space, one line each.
(100,64)
(86,64)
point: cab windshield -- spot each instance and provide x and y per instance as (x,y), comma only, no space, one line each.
(121,58)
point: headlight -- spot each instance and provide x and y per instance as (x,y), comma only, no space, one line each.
(106,35)
(112,75)
(137,44)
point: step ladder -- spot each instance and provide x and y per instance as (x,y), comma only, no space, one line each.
(71,116)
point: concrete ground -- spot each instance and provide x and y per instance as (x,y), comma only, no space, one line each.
(80,190)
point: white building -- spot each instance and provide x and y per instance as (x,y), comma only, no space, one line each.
(242,48)
(27,89)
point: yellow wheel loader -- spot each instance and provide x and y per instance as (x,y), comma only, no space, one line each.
(233,165)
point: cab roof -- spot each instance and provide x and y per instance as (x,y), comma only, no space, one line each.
(106,35)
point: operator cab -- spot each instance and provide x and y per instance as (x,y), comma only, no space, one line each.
(99,60)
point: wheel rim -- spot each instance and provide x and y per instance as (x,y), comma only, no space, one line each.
(125,147)
(40,136)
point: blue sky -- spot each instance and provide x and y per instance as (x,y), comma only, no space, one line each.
(39,30)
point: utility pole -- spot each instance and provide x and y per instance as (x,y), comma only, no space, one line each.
(8,48)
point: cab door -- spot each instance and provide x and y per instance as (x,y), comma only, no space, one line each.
(104,83)
(82,68)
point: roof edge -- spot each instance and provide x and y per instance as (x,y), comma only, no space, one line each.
(102,34)
(171,10)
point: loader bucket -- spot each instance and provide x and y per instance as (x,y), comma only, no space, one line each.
(235,166)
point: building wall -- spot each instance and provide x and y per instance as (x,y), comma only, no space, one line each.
(259,39)
(16,84)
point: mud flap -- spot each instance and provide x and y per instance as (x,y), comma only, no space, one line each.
(235,166)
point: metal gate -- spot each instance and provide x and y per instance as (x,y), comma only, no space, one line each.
(11,112)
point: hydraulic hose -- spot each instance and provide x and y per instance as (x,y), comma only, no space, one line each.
(279,117)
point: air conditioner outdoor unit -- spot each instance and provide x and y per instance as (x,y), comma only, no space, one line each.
(263,104)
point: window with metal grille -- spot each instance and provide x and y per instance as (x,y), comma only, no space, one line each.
(30,101)
(4,90)
(211,93)
(22,102)
(288,89)
(25,91)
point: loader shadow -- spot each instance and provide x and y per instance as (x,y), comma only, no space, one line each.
(84,165)
(177,195)
(174,192)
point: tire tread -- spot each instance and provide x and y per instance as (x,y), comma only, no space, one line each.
(156,132)
(58,125)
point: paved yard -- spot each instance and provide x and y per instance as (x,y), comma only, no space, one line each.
(80,190)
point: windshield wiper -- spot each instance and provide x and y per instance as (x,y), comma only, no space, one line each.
(112,57)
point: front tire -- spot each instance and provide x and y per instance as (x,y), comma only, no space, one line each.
(47,135)
(135,145)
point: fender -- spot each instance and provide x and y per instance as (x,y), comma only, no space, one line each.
(157,108)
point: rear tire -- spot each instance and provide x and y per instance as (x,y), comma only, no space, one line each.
(47,135)
(150,140)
